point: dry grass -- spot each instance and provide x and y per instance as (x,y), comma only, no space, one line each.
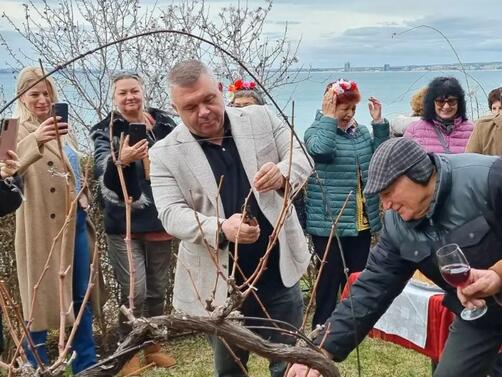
(378,359)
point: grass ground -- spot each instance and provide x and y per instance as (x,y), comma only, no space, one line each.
(378,359)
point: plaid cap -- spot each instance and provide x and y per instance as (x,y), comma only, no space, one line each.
(394,158)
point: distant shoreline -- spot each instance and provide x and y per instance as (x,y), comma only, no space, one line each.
(487,66)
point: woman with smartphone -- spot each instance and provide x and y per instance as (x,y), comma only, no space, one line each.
(151,245)
(47,176)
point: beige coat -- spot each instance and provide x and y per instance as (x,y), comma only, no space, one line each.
(38,220)
(487,136)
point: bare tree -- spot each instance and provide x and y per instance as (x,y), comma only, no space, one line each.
(240,31)
(58,31)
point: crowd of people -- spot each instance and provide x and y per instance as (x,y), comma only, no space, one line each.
(216,182)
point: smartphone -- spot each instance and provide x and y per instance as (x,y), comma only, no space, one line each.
(8,137)
(60,109)
(137,132)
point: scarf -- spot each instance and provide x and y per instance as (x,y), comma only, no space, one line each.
(447,125)
(351,128)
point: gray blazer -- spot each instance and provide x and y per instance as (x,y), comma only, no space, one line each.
(183,184)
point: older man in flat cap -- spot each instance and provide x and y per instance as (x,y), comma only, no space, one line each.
(430,200)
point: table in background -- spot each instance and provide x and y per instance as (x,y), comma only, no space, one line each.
(439,319)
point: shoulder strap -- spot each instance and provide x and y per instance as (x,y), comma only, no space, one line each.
(442,140)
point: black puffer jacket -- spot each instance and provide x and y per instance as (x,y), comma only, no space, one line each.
(466,209)
(144,213)
(9,200)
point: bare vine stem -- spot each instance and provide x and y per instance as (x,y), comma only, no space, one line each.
(127,203)
(63,269)
(323,261)
(161,31)
(273,239)
(87,296)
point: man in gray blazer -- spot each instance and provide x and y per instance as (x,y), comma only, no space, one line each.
(249,147)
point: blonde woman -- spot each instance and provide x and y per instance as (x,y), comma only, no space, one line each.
(151,244)
(399,124)
(41,217)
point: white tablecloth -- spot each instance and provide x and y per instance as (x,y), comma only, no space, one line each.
(407,316)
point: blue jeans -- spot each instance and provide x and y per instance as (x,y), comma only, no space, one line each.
(285,304)
(83,343)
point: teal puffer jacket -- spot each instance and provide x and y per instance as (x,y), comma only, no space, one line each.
(337,156)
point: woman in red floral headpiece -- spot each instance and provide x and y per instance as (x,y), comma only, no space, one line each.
(342,150)
(244,93)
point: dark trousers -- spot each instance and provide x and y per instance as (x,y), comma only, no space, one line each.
(332,279)
(285,304)
(496,368)
(151,262)
(469,351)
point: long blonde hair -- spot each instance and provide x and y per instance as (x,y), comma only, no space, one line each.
(25,79)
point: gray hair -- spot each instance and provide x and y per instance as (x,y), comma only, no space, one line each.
(253,93)
(124,75)
(187,72)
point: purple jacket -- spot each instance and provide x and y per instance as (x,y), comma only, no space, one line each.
(424,134)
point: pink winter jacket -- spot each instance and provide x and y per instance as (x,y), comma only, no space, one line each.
(423,133)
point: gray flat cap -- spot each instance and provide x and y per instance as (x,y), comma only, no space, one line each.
(394,158)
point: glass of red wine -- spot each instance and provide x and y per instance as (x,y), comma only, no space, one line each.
(455,271)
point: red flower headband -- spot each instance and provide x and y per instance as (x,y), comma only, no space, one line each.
(241,85)
(341,86)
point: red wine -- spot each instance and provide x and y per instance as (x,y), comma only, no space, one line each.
(455,274)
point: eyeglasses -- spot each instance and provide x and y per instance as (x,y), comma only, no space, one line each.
(451,101)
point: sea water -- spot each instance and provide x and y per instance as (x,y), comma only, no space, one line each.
(393,88)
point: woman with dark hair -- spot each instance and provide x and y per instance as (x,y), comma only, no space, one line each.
(342,150)
(444,127)
(495,101)
(487,135)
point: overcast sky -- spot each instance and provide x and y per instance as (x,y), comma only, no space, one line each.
(363,32)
